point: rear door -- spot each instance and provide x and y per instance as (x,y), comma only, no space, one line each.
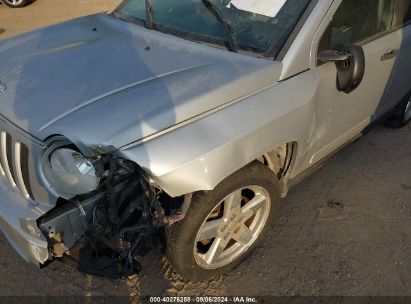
(400,79)
(341,116)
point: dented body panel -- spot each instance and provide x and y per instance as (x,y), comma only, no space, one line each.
(143,82)
(221,150)
(185,115)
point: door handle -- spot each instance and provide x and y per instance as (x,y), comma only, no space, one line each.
(389,55)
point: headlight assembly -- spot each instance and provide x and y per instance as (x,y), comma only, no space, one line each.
(70,173)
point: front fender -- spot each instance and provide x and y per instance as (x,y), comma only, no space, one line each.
(199,154)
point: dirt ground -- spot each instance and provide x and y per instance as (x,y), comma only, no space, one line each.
(361,248)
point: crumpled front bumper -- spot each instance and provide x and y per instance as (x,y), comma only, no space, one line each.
(18,222)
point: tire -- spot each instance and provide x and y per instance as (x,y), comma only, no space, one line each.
(15,3)
(401,115)
(183,247)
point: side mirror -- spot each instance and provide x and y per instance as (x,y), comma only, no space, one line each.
(350,63)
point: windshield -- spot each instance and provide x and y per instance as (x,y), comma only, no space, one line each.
(260,26)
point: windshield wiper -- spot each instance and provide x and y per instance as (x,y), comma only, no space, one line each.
(149,15)
(232,45)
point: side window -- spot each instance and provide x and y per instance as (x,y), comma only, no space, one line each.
(356,21)
(407,18)
(404,12)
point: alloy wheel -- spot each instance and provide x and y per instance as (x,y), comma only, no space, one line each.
(232,227)
(407,114)
(14,2)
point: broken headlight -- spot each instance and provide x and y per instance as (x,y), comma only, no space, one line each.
(70,173)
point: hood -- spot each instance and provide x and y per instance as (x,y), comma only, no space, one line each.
(99,80)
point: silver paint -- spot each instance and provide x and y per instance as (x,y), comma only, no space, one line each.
(189,114)
(19,175)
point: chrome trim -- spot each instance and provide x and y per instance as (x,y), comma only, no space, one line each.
(5,162)
(19,175)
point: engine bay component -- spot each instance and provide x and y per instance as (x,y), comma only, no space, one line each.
(69,221)
(103,233)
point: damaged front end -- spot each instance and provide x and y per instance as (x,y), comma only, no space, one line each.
(102,232)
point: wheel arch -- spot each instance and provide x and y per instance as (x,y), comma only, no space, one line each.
(281,160)
(199,155)
(204,173)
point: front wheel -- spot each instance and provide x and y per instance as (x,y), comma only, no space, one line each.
(223,226)
(15,3)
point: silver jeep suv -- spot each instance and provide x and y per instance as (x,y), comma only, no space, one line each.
(182,123)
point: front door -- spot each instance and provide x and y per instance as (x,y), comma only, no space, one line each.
(344,114)
(399,85)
